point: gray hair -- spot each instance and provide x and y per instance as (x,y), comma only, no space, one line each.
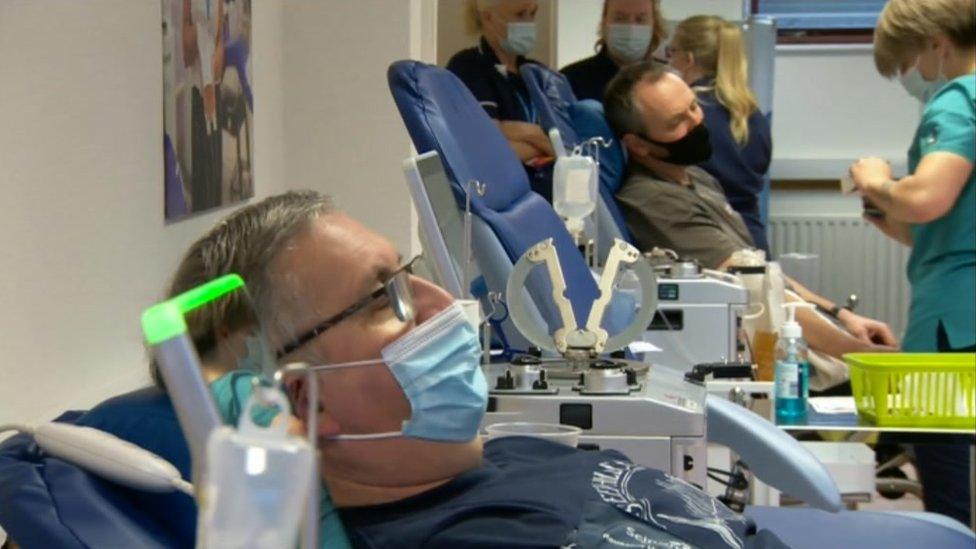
(247,243)
(622,112)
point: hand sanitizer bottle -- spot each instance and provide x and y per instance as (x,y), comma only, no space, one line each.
(792,370)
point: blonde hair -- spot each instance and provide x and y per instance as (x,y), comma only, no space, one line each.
(472,14)
(659,31)
(905,25)
(719,51)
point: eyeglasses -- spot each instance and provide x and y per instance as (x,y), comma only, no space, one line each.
(396,289)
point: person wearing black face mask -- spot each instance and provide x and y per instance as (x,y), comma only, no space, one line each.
(670,202)
(667,200)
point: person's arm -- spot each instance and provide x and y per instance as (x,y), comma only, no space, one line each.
(527,139)
(189,35)
(924,196)
(893,229)
(863,328)
(217,63)
(825,337)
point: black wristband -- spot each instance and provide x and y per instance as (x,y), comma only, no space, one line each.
(836,309)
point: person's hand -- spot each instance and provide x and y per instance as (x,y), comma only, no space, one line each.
(870,173)
(526,132)
(867,329)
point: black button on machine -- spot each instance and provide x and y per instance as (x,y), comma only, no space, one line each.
(577,415)
(541,384)
(505,382)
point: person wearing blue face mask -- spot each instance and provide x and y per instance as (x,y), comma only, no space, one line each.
(490,70)
(931,47)
(401,398)
(630,31)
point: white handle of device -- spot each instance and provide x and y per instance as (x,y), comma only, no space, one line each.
(110,457)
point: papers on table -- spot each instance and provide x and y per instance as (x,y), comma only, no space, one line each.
(833,405)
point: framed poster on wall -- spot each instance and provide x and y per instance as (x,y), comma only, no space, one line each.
(208,105)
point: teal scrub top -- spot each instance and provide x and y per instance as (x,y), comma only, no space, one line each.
(942,266)
(231,392)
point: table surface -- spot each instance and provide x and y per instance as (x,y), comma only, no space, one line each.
(852,423)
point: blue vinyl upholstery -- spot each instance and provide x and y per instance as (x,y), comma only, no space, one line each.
(815,529)
(441,114)
(50,503)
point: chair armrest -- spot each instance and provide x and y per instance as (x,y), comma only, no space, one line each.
(771,454)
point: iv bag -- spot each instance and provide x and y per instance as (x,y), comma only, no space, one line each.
(574,188)
(256,482)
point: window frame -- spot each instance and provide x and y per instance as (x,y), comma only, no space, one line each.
(817,36)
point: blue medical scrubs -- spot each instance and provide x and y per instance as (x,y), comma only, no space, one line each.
(501,93)
(942,266)
(504,96)
(942,273)
(740,169)
(589,77)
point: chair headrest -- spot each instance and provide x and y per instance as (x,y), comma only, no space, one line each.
(441,115)
(552,97)
(589,121)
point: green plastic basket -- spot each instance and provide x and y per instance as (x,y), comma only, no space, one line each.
(934,390)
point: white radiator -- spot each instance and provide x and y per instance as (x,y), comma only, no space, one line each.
(855,258)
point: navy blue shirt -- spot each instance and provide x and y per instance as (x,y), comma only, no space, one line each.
(589,77)
(533,493)
(502,93)
(739,169)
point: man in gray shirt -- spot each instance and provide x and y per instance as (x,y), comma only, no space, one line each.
(672,204)
(693,217)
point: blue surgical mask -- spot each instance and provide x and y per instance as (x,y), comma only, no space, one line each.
(520,38)
(437,365)
(629,42)
(920,88)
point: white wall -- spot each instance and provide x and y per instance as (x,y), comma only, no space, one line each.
(343,134)
(83,242)
(830,107)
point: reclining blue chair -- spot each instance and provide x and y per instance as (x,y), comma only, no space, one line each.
(52,504)
(441,115)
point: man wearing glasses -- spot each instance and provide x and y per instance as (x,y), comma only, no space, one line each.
(333,293)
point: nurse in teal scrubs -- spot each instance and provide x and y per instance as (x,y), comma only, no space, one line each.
(931,46)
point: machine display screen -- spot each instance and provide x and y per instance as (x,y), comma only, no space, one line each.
(445,209)
(667,292)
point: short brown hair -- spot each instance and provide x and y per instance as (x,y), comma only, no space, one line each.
(621,111)
(905,25)
(247,243)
